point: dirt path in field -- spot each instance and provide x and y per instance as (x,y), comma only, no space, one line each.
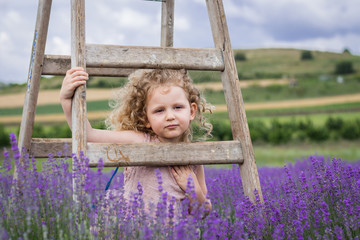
(52,96)
(218,108)
(308,102)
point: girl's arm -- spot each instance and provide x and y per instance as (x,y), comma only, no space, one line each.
(74,78)
(181,174)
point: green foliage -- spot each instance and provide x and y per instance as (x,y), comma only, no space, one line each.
(305,88)
(279,133)
(344,67)
(258,131)
(292,130)
(204,77)
(109,82)
(240,56)
(4,136)
(99,125)
(346,51)
(221,130)
(59,132)
(306,55)
(39,131)
(351,130)
(55,131)
(317,134)
(334,123)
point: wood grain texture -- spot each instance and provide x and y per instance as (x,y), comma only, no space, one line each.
(146,154)
(116,56)
(79,99)
(234,100)
(122,60)
(35,69)
(167,23)
(59,64)
(78,60)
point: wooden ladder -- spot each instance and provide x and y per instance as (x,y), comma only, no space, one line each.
(111,60)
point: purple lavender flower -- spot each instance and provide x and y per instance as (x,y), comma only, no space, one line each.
(139,188)
(310,198)
(159,179)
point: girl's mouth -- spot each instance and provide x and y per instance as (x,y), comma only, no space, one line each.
(171,126)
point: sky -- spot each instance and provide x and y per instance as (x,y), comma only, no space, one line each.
(324,25)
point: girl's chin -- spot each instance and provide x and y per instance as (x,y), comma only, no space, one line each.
(170,138)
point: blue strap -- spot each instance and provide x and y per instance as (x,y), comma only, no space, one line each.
(109,182)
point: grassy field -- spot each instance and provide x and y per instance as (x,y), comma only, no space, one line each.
(313,78)
(279,155)
(305,88)
(287,62)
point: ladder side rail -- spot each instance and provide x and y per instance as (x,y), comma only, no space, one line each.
(79,98)
(34,75)
(236,110)
(78,60)
(167,23)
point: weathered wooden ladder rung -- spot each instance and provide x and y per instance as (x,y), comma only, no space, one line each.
(115,56)
(146,154)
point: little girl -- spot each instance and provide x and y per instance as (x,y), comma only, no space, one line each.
(154,106)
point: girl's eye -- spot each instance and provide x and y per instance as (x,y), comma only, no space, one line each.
(158,111)
(178,107)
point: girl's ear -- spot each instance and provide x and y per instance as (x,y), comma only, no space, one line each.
(147,125)
(193,110)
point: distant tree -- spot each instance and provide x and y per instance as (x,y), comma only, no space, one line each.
(306,55)
(240,57)
(344,67)
(346,51)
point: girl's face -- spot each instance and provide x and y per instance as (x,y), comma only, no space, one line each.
(169,112)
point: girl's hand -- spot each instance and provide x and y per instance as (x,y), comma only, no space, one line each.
(74,78)
(181,175)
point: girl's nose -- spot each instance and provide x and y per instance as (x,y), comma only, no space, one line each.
(170,115)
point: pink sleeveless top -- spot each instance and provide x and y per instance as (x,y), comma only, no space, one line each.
(148,180)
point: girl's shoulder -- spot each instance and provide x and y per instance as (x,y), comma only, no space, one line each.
(114,136)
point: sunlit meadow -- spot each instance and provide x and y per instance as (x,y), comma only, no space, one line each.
(314,198)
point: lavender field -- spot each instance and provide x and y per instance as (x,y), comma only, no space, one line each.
(313,198)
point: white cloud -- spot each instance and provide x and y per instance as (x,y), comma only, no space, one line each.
(322,24)
(129,18)
(12,18)
(322,16)
(334,44)
(202,2)
(181,23)
(5,42)
(58,46)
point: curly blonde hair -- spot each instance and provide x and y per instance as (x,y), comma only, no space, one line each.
(129,106)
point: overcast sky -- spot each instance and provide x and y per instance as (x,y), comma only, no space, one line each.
(326,25)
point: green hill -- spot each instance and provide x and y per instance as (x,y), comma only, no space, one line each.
(279,63)
(258,64)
